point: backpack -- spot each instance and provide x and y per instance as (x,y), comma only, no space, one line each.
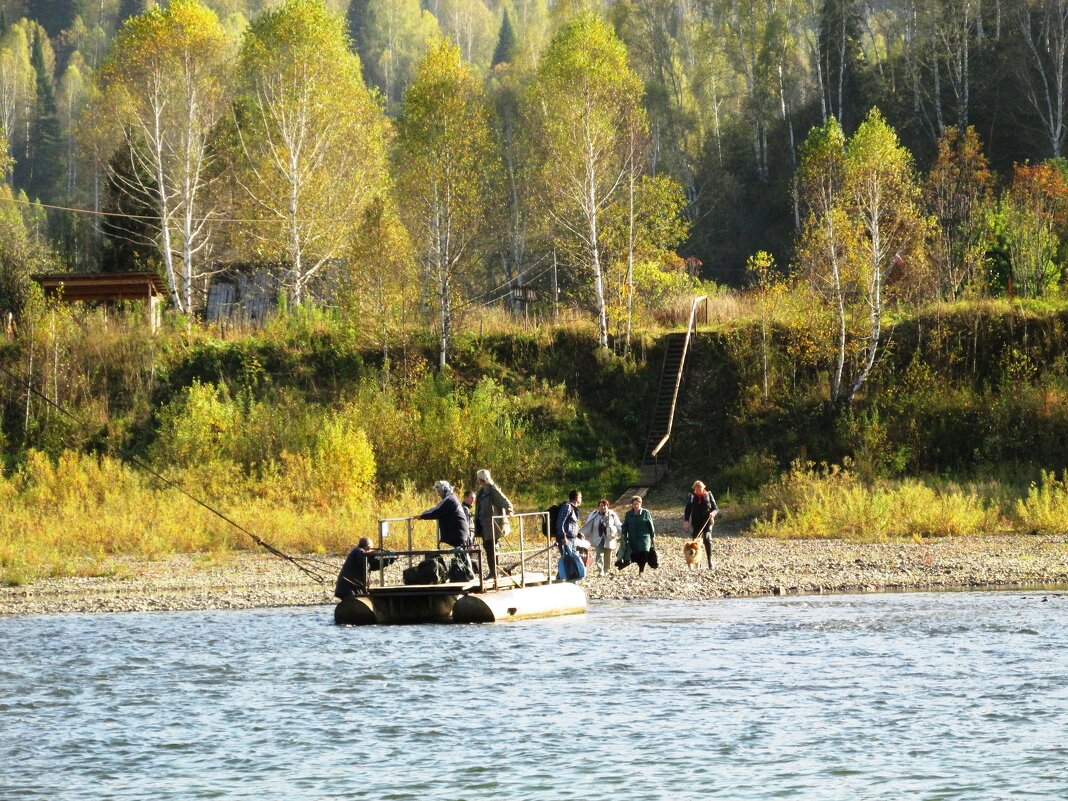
(460,569)
(430,571)
(552,527)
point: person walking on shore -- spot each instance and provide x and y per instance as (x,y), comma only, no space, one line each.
(567,520)
(602,529)
(700,515)
(490,502)
(639,530)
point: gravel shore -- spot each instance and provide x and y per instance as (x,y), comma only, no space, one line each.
(744,566)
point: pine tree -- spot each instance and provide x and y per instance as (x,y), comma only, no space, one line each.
(502,54)
(39,170)
(358,19)
(55,15)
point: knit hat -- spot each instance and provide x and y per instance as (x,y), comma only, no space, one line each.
(484,475)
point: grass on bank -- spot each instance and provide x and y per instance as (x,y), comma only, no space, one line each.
(813,501)
(69,517)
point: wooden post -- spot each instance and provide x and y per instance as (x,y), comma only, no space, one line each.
(556,292)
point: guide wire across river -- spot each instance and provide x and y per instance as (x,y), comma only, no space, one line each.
(301,563)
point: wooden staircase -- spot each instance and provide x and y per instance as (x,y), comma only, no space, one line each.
(655,453)
(653,462)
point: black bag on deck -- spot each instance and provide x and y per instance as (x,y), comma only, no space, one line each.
(430,571)
(460,569)
(377,561)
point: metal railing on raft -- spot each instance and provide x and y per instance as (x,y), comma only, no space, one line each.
(503,523)
(411,553)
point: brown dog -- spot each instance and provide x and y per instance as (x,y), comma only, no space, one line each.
(689,551)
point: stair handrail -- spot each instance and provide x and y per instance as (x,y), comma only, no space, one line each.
(678,375)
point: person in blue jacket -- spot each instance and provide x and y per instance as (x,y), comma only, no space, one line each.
(567,519)
(452,522)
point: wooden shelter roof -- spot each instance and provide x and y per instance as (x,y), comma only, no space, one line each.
(101,286)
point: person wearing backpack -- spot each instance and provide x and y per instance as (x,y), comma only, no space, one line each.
(602,529)
(700,515)
(567,519)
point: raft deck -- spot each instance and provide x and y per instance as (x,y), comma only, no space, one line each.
(508,596)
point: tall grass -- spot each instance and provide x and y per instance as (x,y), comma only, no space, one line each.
(1045,509)
(67,517)
(829,501)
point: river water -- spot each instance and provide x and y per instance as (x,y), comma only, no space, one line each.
(909,696)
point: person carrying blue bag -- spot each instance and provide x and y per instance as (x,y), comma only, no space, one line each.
(570,566)
(567,519)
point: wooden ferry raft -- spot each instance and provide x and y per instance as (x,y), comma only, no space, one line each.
(516,595)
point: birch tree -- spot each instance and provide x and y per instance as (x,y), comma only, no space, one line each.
(863,225)
(826,252)
(312,140)
(163,91)
(17,88)
(584,102)
(444,152)
(1044,28)
(882,196)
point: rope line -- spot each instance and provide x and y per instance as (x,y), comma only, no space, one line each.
(297,561)
(156,218)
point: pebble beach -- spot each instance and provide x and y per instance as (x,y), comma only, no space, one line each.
(744,566)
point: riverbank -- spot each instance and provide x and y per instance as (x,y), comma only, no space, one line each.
(744,566)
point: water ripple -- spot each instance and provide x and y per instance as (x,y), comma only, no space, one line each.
(948,696)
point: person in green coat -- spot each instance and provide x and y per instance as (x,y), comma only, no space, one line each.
(639,530)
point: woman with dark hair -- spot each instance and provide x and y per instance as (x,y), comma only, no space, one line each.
(639,530)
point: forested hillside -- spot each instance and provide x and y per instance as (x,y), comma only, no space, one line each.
(363,148)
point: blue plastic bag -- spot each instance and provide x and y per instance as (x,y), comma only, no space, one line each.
(570,567)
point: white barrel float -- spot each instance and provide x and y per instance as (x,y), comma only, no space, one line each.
(522,603)
(356,611)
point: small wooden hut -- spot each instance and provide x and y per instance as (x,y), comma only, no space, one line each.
(106,288)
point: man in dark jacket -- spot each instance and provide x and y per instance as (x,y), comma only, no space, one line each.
(352,580)
(567,521)
(452,522)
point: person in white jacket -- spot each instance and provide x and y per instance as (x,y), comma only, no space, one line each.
(602,529)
